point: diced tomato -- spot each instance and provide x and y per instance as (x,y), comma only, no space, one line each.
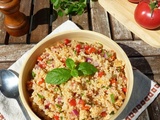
(112,57)
(124,89)
(72,102)
(101,73)
(63,61)
(91,50)
(41,81)
(56,117)
(42,65)
(85,107)
(113,80)
(86,47)
(99,51)
(82,102)
(78,48)
(103,114)
(66,41)
(39,58)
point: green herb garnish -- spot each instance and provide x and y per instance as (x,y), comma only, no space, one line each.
(70,63)
(58,76)
(87,68)
(59,106)
(61,75)
(74,73)
(72,7)
(112,98)
(40,96)
(33,74)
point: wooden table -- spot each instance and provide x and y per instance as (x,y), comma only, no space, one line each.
(43,19)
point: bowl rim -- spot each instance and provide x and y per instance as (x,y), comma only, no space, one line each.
(50,37)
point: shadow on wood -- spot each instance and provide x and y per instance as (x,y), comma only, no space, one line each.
(138,62)
(43,16)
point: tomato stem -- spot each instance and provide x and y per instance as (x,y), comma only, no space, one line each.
(153,4)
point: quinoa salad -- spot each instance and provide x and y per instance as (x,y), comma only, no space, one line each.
(77,81)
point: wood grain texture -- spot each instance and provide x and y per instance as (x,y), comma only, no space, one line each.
(147,65)
(100,21)
(81,21)
(123,11)
(138,48)
(13,52)
(153,109)
(41,19)
(2,30)
(57,20)
(117,30)
(144,115)
(6,65)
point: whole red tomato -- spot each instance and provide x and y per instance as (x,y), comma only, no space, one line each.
(147,14)
(134,1)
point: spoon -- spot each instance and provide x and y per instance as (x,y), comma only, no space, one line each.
(9,88)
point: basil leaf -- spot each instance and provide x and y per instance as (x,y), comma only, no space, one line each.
(74,73)
(87,68)
(58,76)
(70,63)
(60,13)
(57,4)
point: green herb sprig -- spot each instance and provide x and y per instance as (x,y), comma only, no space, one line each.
(72,7)
(61,75)
(112,98)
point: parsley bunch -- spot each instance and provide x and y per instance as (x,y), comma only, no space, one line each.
(72,7)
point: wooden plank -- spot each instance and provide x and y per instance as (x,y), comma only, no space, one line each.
(156,78)
(81,21)
(100,22)
(135,37)
(154,109)
(123,11)
(138,48)
(144,115)
(25,6)
(13,52)
(41,19)
(5,65)
(147,65)
(57,20)
(119,32)
(2,30)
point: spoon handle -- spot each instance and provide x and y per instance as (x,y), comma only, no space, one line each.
(23,109)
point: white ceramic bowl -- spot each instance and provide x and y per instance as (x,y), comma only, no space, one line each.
(79,35)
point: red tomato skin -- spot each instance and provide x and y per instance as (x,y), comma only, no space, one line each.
(72,102)
(143,16)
